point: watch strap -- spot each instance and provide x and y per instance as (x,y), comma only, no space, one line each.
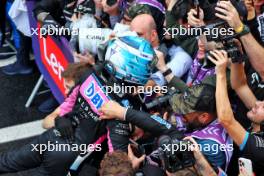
(167,72)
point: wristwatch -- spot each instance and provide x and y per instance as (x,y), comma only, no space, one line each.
(167,72)
(245,31)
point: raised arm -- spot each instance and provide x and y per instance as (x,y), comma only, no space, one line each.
(239,84)
(224,111)
(153,124)
(255,52)
(173,81)
(226,11)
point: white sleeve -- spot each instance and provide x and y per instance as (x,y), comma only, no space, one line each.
(180,62)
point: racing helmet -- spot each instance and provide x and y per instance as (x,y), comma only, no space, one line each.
(130,59)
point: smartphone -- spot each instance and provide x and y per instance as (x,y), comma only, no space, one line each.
(245,166)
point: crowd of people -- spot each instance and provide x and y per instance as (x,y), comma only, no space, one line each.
(200,64)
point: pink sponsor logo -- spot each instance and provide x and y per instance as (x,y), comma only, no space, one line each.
(93,93)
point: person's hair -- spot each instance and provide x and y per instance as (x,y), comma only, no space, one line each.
(116,163)
(75,71)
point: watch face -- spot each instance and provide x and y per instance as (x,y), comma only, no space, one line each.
(245,31)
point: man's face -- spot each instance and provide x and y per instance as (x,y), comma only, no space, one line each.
(256,114)
(192,121)
(141,29)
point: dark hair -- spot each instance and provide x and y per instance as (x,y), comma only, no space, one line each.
(75,71)
(116,163)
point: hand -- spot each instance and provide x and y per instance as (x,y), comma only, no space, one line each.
(161,65)
(76,16)
(220,60)
(70,4)
(226,11)
(244,172)
(138,133)
(170,4)
(166,116)
(250,8)
(194,147)
(112,110)
(134,160)
(87,57)
(112,36)
(193,20)
(167,2)
(64,126)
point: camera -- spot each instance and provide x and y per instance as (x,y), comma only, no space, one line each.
(232,50)
(160,104)
(175,154)
(81,9)
(219,31)
(88,7)
(226,36)
(161,101)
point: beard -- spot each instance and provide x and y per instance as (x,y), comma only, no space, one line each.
(193,126)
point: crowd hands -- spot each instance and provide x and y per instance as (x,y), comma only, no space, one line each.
(200,114)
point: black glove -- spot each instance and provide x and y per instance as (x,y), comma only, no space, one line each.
(65,127)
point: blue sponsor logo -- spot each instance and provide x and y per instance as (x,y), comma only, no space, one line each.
(161,121)
(94,96)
